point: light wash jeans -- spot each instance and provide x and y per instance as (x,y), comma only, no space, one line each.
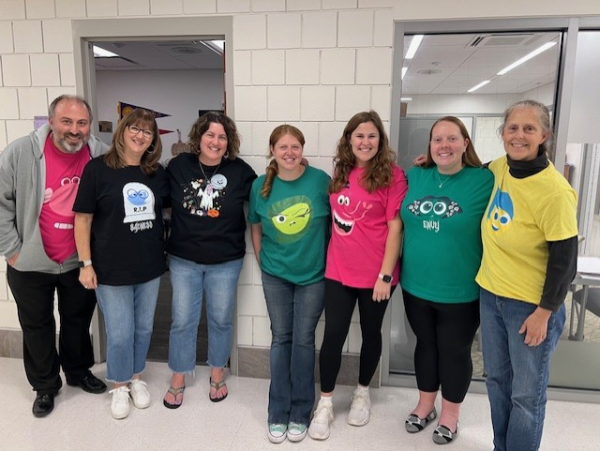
(190,282)
(294,311)
(129,318)
(517,374)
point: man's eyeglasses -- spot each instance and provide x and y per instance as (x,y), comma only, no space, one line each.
(135,130)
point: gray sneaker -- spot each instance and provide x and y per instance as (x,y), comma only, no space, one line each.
(360,410)
(319,426)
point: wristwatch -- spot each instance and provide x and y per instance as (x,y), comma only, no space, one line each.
(84,263)
(386,278)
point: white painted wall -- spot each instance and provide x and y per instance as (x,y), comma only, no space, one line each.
(313,63)
(180,93)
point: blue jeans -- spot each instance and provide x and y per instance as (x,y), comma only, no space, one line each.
(294,311)
(190,282)
(517,374)
(129,318)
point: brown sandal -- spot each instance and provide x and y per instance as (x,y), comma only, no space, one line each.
(217,386)
(175,392)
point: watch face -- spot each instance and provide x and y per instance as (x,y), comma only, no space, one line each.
(387,279)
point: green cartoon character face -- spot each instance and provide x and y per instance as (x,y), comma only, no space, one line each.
(291,216)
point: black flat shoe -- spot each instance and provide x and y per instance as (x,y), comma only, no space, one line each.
(88,383)
(415,424)
(43,405)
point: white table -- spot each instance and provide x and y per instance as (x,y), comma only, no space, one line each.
(588,274)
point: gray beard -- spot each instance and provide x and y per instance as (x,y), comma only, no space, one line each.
(69,148)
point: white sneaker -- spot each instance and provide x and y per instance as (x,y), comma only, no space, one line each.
(319,426)
(360,410)
(139,394)
(119,406)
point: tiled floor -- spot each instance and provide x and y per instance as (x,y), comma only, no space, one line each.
(82,422)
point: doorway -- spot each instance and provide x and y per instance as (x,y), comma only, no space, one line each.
(176,73)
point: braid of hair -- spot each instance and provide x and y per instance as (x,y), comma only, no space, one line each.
(271,172)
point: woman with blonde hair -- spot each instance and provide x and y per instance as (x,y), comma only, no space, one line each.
(289,217)
(362,259)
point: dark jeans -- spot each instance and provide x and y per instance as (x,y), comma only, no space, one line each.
(445,334)
(339,307)
(34,294)
(294,312)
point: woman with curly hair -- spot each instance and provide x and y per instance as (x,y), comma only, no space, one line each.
(206,248)
(362,259)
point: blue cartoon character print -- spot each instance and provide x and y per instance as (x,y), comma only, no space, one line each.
(138,201)
(201,196)
(501,211)
(291,217)
(346,214)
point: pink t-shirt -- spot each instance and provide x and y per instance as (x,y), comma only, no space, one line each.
(63,172)
(360,230)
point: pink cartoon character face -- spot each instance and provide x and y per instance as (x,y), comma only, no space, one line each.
(346,215)
(61,201)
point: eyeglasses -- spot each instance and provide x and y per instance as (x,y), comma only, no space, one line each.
(135,130)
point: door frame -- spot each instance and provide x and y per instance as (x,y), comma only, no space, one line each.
(146,29)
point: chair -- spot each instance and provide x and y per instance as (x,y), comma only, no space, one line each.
(593,299)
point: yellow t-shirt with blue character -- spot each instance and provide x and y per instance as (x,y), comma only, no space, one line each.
(521,217)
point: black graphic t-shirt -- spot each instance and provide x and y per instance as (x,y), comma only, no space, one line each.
(207,221)
(127,239)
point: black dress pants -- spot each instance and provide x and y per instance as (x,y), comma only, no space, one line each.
(34,295)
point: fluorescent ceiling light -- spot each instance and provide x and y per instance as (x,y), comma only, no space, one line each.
(527,57)
(216,46)
(101,53)
(405,99)
(404,69)
(219,43)
(414,45)
(480,85)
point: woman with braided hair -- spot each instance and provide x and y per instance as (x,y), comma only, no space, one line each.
(289,217)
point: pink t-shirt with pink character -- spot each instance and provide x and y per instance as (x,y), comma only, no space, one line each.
(360,230)
(63,172)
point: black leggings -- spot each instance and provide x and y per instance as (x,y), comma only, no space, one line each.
(339,307)
(445,334)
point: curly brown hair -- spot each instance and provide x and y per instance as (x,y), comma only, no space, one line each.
(469,157)
(378,172)
(144,119)
(272,169)
(203,123)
